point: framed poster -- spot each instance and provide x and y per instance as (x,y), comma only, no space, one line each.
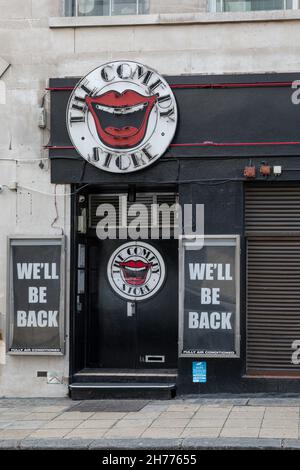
(209,292)
(36,274)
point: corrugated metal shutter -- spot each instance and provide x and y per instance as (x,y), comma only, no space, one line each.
(269,209)
(273,278)
(148,217)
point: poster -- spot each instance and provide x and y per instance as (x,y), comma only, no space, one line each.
(36,275)
(209,300)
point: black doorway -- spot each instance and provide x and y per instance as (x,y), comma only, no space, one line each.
(110,333)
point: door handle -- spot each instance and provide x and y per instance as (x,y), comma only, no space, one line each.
(130,309)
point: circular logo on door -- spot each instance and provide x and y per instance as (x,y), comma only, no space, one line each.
(122,116)
(136,271)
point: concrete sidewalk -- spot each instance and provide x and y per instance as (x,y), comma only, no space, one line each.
(190,423)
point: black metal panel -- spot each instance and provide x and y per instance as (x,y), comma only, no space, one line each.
(117,340)
(246,117)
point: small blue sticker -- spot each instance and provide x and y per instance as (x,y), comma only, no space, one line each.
(199,372)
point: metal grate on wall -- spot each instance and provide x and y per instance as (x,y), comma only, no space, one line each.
(151,209)
(272,222)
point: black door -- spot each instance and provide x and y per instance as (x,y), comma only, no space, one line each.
(127,333)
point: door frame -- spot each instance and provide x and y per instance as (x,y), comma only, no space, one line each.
(77,355)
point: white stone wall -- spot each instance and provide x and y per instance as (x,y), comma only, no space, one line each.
(171,6)
(36,53)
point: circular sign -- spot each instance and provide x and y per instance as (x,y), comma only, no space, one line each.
(122,116)
(136,271)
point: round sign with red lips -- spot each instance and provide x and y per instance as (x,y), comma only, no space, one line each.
(122,116)
(136,271)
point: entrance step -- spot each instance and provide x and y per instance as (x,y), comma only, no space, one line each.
(102,390)
(123,383)
(125,376)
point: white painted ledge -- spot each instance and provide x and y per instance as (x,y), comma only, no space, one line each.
(175,18)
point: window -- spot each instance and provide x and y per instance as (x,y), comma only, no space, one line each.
(252,5)
(105,7)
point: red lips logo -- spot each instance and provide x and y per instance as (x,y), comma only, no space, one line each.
(121,119)
(135,272)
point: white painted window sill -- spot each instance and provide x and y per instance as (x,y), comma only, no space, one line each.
(176,18)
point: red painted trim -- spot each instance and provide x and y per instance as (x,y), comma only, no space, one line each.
(59,147)
(198,144)
(234,85)
(232,144)
(205,85)
(61,88)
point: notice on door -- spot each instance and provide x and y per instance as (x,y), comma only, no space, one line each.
(36,289)
(209,301)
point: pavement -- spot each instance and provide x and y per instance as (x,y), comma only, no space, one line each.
(181,423)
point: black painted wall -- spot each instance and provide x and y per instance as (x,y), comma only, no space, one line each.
(224,214)
(208,175)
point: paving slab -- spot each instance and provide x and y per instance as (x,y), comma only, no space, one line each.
(106,415)
(124,433)
(280,424)
(205,423)
(201,432)
(34,402)
(240,432)
(14,434)
(49,433)
(96,424)
(26,425)
(229,422)
(133,423)
(183,407)
(279,433)
(5,424)
(170,423)
(241,423)
(51,409)
(163,432)
(15,416)
(176,414)
(60,424)
(74,415)
(248,409)
(84,433)
(39,416)
(141,414)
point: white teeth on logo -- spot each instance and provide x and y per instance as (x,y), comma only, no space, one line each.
(124,110)
(134,269)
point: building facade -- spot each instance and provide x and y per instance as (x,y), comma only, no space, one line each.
(232,67)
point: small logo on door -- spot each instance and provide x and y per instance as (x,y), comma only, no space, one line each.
(136,271)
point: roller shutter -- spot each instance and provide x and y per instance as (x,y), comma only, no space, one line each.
(272,221)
